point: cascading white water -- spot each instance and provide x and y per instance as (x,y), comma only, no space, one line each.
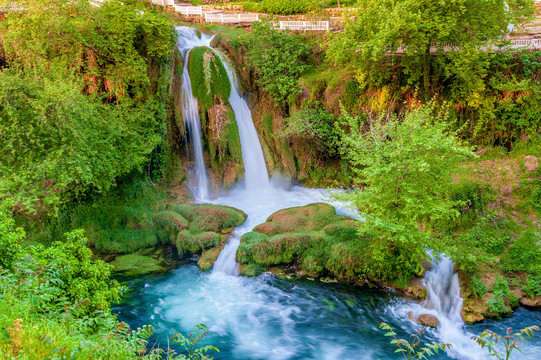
(187,40)
(256,176)
(443,289)
(443,300)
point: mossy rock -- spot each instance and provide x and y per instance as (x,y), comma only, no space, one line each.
(313,217)
(138,264)
(124,240)
(209,217)
(312,237)
(168,224)
(251,270)
(208,77)
(188,242)
(208,258)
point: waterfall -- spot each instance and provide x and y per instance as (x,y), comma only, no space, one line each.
(199,182)
(443,289)
(256,176)
(444,301)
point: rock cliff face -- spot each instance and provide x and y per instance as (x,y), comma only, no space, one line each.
(291,158)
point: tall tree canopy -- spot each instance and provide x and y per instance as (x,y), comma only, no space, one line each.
(80,99)
(381,27)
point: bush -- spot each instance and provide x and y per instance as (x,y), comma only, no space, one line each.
(287,7)
(315,125)
(279,59)
(478,288)
(524,254)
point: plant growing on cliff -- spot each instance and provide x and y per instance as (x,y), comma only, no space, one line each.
(279,58)
(315,125)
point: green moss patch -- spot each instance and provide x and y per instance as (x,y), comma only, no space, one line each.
(202,226)
(312,237)
(208,76)
(138,264)
(208,258)
(190,243)
(209,217)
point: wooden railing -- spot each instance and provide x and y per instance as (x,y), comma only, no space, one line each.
(231,18)
(303,25)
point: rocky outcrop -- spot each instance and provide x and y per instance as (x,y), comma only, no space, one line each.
(194,228)
(312,237)
(424,319)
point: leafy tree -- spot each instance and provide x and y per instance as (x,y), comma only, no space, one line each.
(78,104)
(57,141)
(279,60)
(381,27)
(405,168)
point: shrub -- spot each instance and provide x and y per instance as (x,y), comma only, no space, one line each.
(313,124)
(524,254)
(287,7)
(478,288)
(279,59)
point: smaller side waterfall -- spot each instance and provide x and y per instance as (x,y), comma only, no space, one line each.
(188,39)
(443,300)
(443,289)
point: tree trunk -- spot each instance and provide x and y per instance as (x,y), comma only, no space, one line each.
(338,3)
(426,70)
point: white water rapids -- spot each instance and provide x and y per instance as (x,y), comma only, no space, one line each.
(259,320)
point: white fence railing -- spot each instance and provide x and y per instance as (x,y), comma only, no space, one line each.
(231,18)
(518,44)
(303,25)
(189,10)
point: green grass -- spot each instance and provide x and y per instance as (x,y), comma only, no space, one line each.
(118,221)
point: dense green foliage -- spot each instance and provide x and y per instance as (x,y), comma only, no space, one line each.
(493,95)
(279,59)
(287,7)
(312,123)
(78,104)
(405,168)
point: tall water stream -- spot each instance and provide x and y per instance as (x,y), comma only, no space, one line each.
(187,40)
(271,318)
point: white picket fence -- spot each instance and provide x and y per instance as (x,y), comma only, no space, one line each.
(189,10)
(303,25)
(517,44)
(231,18)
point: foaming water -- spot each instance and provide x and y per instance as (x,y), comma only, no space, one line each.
(187,40)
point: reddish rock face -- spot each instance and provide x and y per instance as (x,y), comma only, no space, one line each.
(535,302)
